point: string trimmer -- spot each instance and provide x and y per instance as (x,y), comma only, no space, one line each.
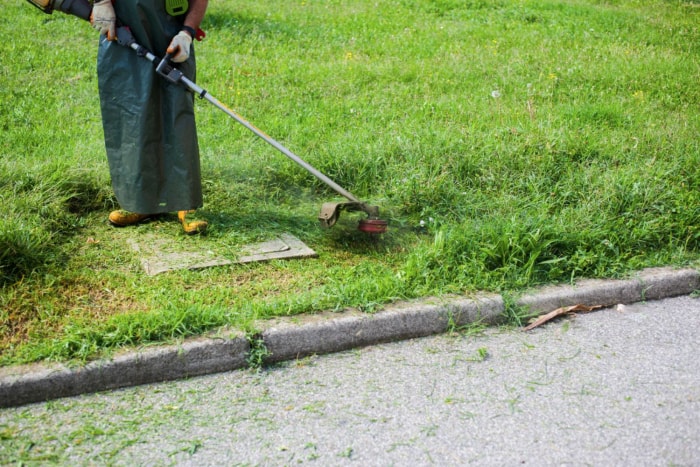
(329,211)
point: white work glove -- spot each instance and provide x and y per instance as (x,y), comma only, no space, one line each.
(104,19)
(179,47)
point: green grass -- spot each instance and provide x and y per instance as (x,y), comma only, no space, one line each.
(509,144)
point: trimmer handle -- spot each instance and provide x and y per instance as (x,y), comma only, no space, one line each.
(167,71)
(166,59)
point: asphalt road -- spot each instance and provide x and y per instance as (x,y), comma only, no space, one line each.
(618,386)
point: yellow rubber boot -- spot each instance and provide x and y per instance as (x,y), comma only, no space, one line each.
(196,226)
(122,218)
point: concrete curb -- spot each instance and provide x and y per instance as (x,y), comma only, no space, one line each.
(296,337)
(328,333)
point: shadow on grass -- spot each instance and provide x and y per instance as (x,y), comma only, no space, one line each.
(344,236)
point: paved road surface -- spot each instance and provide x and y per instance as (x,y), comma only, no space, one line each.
(618,386)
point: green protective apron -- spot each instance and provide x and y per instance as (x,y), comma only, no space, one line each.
(149,125)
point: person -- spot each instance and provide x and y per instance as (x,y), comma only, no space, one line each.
(149,124)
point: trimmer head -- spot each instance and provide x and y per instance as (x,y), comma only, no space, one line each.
(373,224)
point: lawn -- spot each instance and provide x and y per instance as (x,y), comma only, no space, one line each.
(509,144)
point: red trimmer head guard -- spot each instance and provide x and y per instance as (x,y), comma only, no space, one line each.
(373,226)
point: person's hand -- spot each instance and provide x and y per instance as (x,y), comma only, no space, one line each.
(179,47)
(104,19)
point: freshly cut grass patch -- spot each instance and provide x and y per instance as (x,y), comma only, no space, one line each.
(509,144)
